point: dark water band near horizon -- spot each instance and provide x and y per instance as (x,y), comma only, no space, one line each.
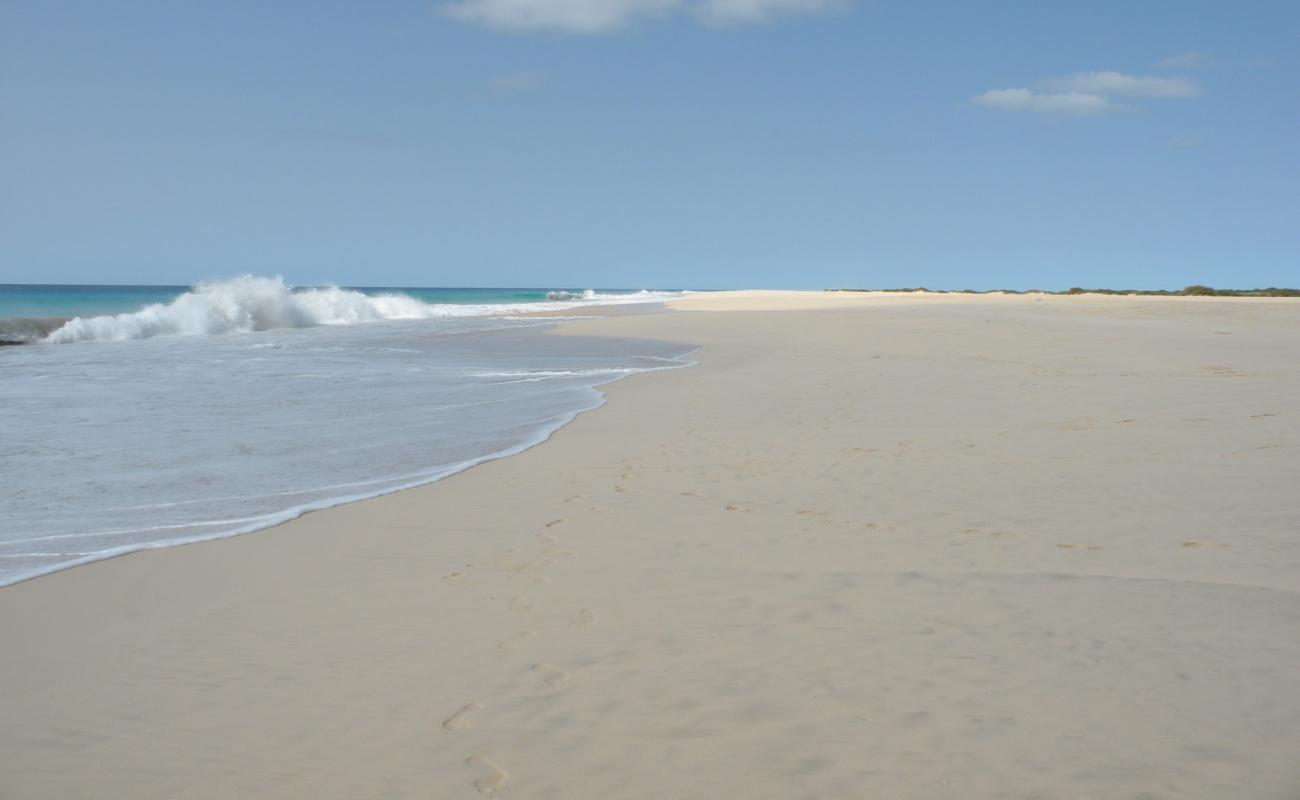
(239,405)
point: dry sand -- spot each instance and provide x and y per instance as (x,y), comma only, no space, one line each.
(878,547)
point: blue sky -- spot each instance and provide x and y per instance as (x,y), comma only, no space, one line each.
(652,143)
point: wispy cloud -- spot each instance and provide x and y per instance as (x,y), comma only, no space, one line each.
(570,16)
(592,17)
(1185,141)
(1182,61)
(1085,94)
(1108,83)
(517,82)
(732,12)
(1077,104)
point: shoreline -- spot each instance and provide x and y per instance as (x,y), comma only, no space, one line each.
(428,476)
(846,553)
(297,512)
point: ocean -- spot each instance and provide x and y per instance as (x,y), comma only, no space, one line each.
(147,416)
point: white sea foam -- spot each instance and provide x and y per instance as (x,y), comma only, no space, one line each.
(554,373)
(251,303)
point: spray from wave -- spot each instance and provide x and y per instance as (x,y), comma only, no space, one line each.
(251,303)
(589,294)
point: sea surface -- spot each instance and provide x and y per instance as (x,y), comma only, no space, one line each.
(146,416)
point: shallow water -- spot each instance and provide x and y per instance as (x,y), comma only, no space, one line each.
(111,446)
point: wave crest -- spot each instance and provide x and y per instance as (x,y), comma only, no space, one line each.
(246,303)
(251,303)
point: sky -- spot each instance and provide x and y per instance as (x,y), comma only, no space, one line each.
(652,143)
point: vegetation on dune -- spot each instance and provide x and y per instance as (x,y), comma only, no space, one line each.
(1195,290)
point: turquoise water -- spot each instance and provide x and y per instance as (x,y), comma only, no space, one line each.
(56,300)
(178,414)
(40,300)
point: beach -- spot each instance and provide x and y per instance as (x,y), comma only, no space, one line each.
(869,545)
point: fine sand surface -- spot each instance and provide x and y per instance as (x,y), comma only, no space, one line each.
(870,547)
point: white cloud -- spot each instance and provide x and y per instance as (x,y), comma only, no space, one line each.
(1183,61)
(1077,104)
(607,16)
(517,82)
(1118,83)
(572,16)
(1085,94)
(727,12)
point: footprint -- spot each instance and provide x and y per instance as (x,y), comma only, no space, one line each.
(520,605)
(553,523)
(455,577)
(517,567)
(586,618)
(1222,372)
(916,719)
(461,718)
(553,546)
(493,778)
(693,494)
(1075,425)
(1122,421)
(507,646)
(745,509)
(552,676)
(1261,416)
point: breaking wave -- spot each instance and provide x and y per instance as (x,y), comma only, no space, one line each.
(251,303)
(563,295)
(24,330)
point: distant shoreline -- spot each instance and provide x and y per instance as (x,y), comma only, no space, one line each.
(1196,290)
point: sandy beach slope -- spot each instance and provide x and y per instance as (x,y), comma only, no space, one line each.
(871,546)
